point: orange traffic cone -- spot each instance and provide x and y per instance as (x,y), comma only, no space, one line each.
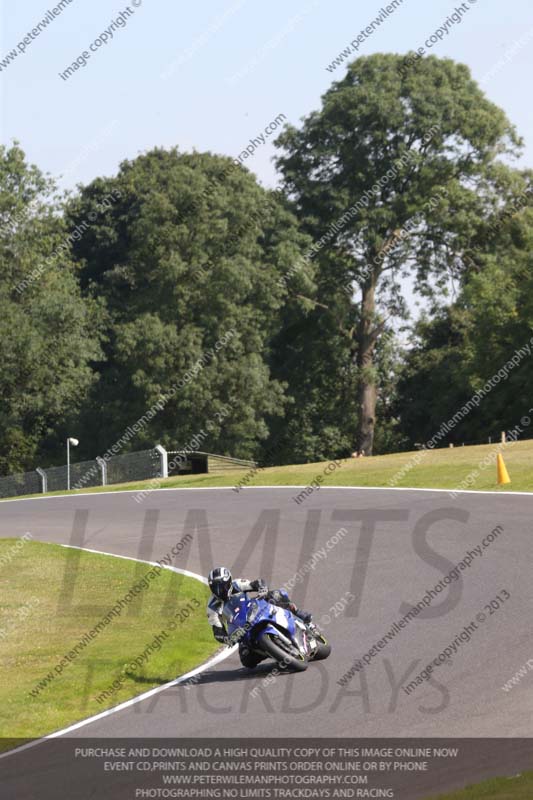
(503,475)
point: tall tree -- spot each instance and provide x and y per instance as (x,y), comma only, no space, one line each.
(49,335)
(313,358)
(314,355)
(392,176)
(189,249)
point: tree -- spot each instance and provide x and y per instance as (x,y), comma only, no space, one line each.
(49,334)
(392,176)
(486,330)
(189,249)
(312,358)
(435,380)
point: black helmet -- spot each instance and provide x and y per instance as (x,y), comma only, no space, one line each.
(220,581)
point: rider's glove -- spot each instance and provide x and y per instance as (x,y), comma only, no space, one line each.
(235,638)
(260,587)
(305,616)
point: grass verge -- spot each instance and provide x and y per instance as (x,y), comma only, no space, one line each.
(451,468)
(55,596)
(519,787)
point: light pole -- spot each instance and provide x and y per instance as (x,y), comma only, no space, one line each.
(74,443)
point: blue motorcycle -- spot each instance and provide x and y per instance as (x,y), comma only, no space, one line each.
(273,632)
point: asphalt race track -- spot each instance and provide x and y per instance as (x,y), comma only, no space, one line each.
(395,546)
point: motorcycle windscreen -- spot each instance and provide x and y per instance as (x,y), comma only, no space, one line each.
(234,611)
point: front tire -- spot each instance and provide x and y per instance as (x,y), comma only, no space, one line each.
(284,658)
(323,650)
(249,659)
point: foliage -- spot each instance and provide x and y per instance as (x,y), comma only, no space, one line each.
(230,318)
(463,346)
(193,249)
(392,176)
(49,334)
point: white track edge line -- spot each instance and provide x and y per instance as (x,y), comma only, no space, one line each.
(156,690)
(285,488)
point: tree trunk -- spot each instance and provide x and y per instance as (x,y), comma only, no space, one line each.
(366,340)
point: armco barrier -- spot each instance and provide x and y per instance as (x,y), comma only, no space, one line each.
(226,464)
(213,463)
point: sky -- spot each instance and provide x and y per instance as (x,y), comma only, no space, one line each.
(213,74)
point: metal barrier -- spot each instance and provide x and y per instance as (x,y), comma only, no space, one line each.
(23,483)
(226,464)
(214,463)
(82,475)
(142,465)
(139,466)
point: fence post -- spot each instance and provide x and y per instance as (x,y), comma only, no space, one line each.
(44,480)
(102,463)
(163,455)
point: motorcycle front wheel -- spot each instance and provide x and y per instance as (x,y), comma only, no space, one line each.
(323,649)
(279,652)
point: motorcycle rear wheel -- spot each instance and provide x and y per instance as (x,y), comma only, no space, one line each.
(294,661)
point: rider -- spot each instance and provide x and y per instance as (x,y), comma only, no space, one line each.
(222,586)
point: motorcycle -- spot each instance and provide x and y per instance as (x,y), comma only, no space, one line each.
(273,632)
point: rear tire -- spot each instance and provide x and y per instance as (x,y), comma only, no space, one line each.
(283,657)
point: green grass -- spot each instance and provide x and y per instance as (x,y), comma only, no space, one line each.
(447,468)
(41,623)
(519,787)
